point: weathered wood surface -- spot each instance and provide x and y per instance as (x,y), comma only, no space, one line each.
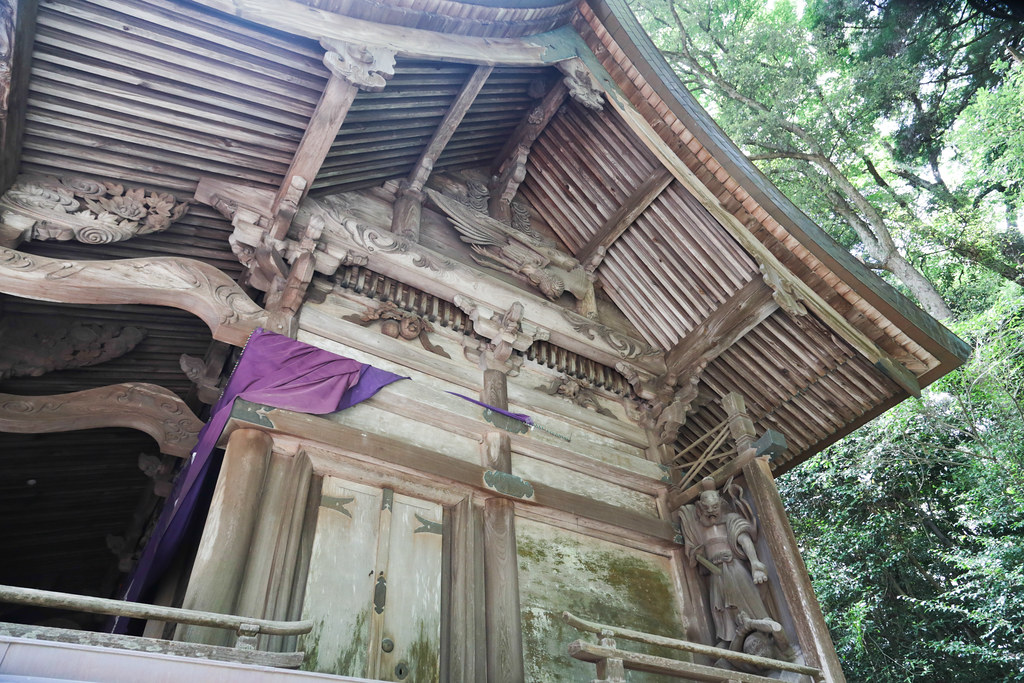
(440,468)
(303,20)
(769,262)
(87,603)
(624,216)
(17,26)
(745,310)
(794,580)
(501,593)
(146,407)
(181,283)
(611,631)
(636,661)
(435,273)
(223,553)
(286,660)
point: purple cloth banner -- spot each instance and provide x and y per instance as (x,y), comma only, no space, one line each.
(273,370)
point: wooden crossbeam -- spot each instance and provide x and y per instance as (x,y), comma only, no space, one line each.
(623,217)
(302,20)
(742,312)
(864,345)
(316,142)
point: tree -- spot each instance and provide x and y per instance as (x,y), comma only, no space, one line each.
(846,117)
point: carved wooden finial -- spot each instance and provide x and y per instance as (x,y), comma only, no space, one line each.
(368,68)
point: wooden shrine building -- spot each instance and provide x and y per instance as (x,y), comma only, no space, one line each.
(520,205)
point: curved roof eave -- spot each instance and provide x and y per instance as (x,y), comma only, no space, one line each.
(623,26)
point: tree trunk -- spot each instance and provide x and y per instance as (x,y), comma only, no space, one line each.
(929,298)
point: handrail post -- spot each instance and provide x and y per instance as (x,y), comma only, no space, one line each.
(611,669)
(247,635)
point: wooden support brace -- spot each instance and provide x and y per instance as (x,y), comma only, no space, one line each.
(190,285)
(145,407)
(592,253)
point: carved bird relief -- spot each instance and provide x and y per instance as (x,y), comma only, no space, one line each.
(497,245)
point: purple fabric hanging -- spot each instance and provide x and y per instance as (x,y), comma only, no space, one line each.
(522,417)
(273,370)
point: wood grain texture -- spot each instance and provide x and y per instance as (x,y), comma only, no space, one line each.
(146,407)
(501,568)
(181,283)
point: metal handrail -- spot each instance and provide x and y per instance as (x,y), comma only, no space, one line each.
(604,630)
(247,628)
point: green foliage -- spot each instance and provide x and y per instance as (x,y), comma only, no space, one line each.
(912,527)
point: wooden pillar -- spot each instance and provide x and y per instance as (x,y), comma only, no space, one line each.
(501,560)
(818,649)
(225,545)
(815,640)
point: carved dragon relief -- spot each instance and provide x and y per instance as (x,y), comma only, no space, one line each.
(146,407)
(41,207)
(34,346)
(496,245)
(182,283)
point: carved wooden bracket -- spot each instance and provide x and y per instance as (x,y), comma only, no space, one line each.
(368,68)
(397,323)
(42,207)
(581,84)
(507,331)
(182,283)
(146,407)
(34,346)
(577,391)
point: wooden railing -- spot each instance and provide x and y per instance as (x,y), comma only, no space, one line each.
(247,629)
(612,662)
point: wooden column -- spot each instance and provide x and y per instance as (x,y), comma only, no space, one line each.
(225,545)
(815,640)
(501,560)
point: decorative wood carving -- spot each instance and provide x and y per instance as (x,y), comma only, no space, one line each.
(581,84)
(368,68)
(397,323)
(506,331)
(160,470)
(7,16)
(578,391)
(783,291)
(181,283)
(206,374)
(34,346)
(146,407)
(548,268)
(625,346)
(43,207)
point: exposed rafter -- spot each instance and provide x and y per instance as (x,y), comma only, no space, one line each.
(594,250)
(508,168)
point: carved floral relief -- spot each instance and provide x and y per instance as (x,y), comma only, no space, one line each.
(82,209)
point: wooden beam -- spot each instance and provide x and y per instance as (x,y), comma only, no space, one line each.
(190,285)
(353,67)
(146,407)
(742,312)
(803,291)
(623,217)
(18,24)
(316,142)
(509,166)
(445,130)
(436,466)
(301,19)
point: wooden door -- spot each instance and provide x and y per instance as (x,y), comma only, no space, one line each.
(374,585)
